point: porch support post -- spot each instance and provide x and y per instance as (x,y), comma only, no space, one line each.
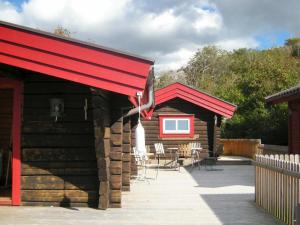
(101,116)
(116,142)
(126,161)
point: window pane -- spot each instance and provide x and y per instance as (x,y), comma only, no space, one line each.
(170,125)
(183,125)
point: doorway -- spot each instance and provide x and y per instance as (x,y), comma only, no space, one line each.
(10,141)
(6,116)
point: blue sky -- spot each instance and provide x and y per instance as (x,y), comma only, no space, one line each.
(17,3)
(169,31)
(269,40)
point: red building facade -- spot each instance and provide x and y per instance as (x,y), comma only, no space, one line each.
(292,97)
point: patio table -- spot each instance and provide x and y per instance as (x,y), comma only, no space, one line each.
(174,159)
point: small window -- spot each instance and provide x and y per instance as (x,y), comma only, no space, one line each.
(176,125)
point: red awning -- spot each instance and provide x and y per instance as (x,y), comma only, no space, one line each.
(73,60)
(196,97)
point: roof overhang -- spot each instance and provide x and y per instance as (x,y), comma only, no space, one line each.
(196,97)
(288,95)
(73,60)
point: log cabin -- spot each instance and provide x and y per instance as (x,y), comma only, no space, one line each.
(292,97)
(182,115)
(64,119)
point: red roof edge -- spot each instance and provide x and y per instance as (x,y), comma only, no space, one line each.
(196,97)
(73,60)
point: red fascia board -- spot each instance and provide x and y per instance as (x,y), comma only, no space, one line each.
(197,101)
(69,75)
(198,98)
(75,50)
(73,61)
(71,64)
(179,88)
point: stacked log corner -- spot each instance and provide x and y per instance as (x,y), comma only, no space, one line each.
(126,160)
(133,166)
(102,144)
(116,143)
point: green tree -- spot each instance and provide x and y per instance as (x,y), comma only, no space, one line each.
(59,30)
(167,78)
(294,46)
(245,77)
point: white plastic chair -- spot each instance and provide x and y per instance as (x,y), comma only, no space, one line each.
(195,149)
(160,151)
(142,161)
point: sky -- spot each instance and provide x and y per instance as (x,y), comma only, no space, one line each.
(168,31)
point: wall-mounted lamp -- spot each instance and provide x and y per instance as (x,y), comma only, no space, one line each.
(56,108)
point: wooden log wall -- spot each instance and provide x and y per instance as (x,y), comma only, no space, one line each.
(116,152)
(59,164)
(126,160)
(203,125)
(101,117)
(120,147)
(277,186)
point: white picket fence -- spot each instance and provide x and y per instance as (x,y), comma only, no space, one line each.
(277,185)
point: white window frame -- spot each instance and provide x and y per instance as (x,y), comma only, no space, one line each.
(176,131)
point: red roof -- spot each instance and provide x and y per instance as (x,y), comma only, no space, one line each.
(198,98)
(73,60)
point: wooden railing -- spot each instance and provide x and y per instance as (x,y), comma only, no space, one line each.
(250,147)
(277,185)
(241,147)
(272,149)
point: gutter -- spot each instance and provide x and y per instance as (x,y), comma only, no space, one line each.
(150,103)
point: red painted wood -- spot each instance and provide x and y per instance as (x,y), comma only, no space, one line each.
(201,99)
(294,127)
(67,75)
(5,201)
(190,135)
(70,60)
(16,137)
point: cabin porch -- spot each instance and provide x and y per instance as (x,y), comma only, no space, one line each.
(205,197)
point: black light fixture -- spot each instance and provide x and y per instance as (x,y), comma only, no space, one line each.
(56,108)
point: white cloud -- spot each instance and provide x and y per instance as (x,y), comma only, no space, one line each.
(174,60)
(9,13)
(237,43)
(207,20)
(170,31)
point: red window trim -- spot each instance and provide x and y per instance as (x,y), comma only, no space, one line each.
(174,116)
(17,86)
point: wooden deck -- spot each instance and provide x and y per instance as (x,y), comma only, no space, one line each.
(222,196)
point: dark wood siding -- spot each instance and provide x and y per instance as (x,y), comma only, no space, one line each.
(58,158)
(294,127)
(6,104)
(6,100)
(203,125)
